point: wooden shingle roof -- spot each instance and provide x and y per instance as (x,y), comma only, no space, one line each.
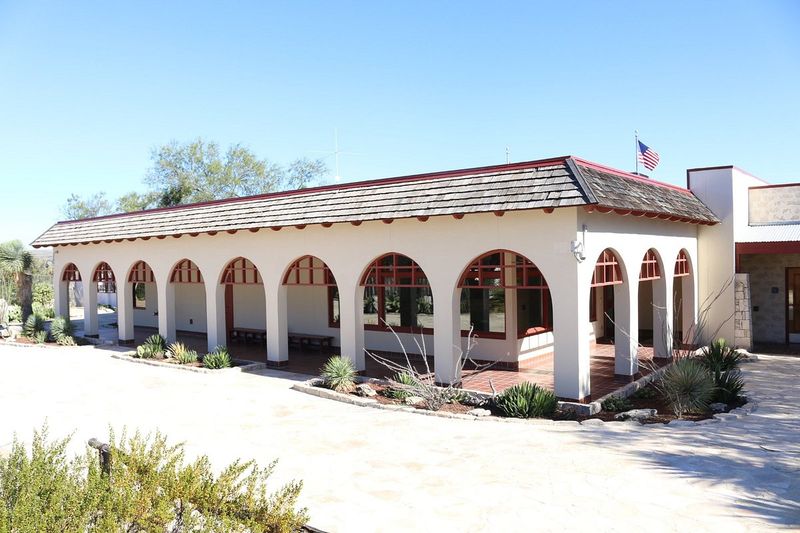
(545,184)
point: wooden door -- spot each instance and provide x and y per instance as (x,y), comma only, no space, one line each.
(793,304)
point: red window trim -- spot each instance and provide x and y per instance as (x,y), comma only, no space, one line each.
(186,272)
(532,332)
(103,273)
(306,264)
(241,271)
(480,272)
(484,334)
(607,270)
(398,329)
(682,265)
(71,273)
(141,273)
(649,269)
(394,274)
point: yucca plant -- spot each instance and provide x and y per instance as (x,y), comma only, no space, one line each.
(526,400)
(61,327)
(156,344)
(720,357)
(338,374)
(181,354)
(687,387)
(33,325)
(66,340)
(729,386)
(145,351)
(219,358)
(401,386)
(40,337)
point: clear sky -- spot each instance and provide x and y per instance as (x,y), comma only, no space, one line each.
(87,89)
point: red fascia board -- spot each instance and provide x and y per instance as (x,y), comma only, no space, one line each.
(630,175)
(783,247)
(775,186)
(353,185)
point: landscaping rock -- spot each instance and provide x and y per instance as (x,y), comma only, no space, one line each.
(636,414)
(365,390)
(4,332)
(479,412)
(414,400)
(473,400)
(718,407)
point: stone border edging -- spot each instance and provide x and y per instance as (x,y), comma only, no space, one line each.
(311,387)
(247,367)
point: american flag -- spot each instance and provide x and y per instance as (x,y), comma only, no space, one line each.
(647,157)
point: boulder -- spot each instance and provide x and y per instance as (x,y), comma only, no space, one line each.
(718,407)
(365,390)
(414,400)
(636,414)
(479,412)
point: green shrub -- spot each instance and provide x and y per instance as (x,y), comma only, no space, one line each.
(14,314)
(33,325)
(45,311)
(42,294)
(156,344)
(645,393)
(40,337)
(61,327)
(687,387)
(182,354)
(719,357)
(219,358)
(526,400)
(145,351)
(402,392)
(151,487)
(728,387)
(67,340)
(616,404)
(338,374)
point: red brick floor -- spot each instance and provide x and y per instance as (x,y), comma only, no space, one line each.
(539,371)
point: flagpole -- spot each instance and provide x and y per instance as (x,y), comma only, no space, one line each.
(636,137)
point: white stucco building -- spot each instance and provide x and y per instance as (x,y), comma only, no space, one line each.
(541,259)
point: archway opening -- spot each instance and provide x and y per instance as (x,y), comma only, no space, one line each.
(103,316)
(607,274)
(650,316)
(683,302)
(143,306)
(189,309)
(312,303)
(71,293)
(245,309)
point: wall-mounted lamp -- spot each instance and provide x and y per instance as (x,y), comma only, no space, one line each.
(577,247)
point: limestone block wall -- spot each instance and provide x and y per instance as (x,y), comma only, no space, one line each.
(768,293)
(743,324)
(774,205)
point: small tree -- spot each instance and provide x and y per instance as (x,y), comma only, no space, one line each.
(16,262)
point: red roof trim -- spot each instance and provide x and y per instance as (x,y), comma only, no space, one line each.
(352,185)
(630,175)
(775,186)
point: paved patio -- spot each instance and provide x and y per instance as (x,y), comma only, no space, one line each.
(309,362)
(370,470)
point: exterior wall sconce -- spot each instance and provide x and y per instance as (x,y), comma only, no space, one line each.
(577,247)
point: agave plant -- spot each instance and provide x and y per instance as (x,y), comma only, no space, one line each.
(61,327)
(156,344)
(33,325)
(181,354)
(338,374)
(729,386)
(687,387)
(720,357)
(219,358)
(401,386)
(526,400)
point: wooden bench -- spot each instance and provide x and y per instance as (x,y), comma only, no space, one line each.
(248,334)
(307,339)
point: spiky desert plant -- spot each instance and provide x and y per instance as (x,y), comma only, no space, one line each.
(728,387)
(401,386)
(219,358)
(40,337)
(181,354)
(686,386)
(720,357)
(526,400)
(66,340)
(61,327)
(338,374)
(17,262)
(157,344)
(33,325)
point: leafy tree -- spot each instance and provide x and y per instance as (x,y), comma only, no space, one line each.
(16,263)
(200,171)
(92,206)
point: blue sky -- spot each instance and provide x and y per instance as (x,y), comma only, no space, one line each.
(87,89)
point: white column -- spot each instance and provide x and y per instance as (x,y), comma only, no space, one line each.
(125,312)
(277,322)
(662,316)
(215,314)
(626,326)
(166,308)
(61,296)
(351,322)
(90,326)
(571,326)
(447,352)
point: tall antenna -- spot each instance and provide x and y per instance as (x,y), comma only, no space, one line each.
(508,155)
(335,153)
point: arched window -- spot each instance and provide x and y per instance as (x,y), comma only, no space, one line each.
(485,294)
(607,270)
(682,264)
(312,271)
(650,269)
(186,272)
(141,274)
(241,271)
(71,273)
(397,294)
(104,277)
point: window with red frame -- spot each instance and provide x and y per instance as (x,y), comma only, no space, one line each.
(241,271)
(397,294)
(104,277)
(682,264)
(71,273)
(312,271)
(186,272)
(649,269)
(607,270)
(483,295)
(140,275)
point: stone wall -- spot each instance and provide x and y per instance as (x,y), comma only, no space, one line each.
(768,293)
(774,205)
(743,324)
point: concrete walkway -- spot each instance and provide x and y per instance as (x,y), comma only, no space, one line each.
(371,470)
